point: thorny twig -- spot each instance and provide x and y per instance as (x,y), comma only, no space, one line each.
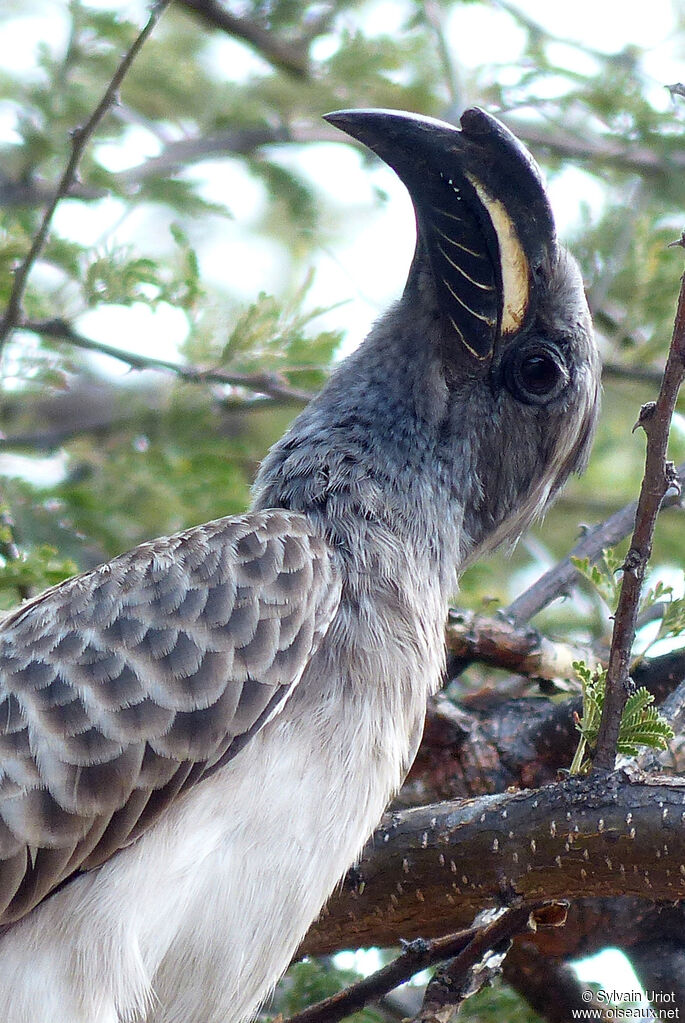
(655,419)
(79,141)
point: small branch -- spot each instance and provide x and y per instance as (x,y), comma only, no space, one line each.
(271,384)
(289,56)
(595,150)
(636,374)
(559,579)
(79,141)
(460,979)
(433,13)
(658,478)
(417,955)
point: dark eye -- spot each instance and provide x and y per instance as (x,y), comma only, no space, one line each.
(535,374)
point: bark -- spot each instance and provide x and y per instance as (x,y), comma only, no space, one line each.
(428,871)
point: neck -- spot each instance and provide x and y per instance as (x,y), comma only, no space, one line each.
(367,457)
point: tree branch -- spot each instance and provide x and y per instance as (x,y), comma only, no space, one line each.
(659,476)
(605,150)
(271,384)
(660,967)
(431,869)
(502,644)
(459,979)
(491,742)
(79,141)
(417,955)
(559,579)
(637,374)
(289,56)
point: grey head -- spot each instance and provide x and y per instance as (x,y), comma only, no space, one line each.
(476,395)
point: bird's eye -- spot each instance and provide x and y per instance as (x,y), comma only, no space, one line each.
(535,374)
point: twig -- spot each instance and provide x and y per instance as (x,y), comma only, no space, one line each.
(79,141)
(655,419)
(270,384)
(417,955)
(455,982)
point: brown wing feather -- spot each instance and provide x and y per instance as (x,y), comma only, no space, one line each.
(123,686)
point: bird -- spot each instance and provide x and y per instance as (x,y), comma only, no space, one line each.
(198,737)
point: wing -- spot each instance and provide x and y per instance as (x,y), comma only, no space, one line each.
(122,687)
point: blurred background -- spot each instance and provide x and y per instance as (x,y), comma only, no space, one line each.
(229,245)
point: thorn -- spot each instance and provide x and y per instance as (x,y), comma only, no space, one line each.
(646,413)
(680,242)
(418,947)
(673,479)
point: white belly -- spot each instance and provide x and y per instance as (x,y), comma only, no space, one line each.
(197,920)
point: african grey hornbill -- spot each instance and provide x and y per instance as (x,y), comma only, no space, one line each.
(198,737)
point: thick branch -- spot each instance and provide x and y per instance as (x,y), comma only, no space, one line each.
(431,869)
(660,966)
(80,139)
(490,743)
(659,476)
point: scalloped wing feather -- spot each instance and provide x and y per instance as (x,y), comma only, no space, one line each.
(124,686)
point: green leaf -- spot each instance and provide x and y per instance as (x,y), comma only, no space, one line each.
(641,724)
(601,574)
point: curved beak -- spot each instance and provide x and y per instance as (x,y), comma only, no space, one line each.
(483,217)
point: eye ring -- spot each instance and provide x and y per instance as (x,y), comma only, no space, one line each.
(535,373)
